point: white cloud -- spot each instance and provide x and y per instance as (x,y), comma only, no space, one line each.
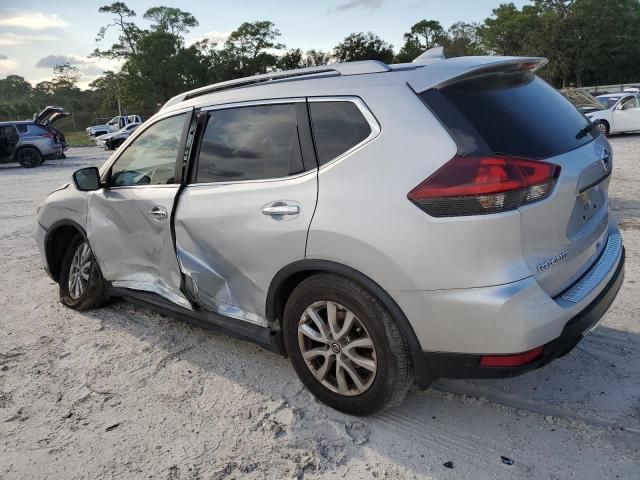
(51,61)
(10,39)
(31,19)
(365,4)
(213,36)
(7,64)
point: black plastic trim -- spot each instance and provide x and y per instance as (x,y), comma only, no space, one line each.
(48,245)
(422,371)
(459,365)
(261,336)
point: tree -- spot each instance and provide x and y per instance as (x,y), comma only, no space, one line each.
(160,69)
(129,32)
(314,58)
(248,51)
(65,77)
(510,31)
(170,20)
(14,87)
(291,60)
(424,35)
(363,46)
(462,39)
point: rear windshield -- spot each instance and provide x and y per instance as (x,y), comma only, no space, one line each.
(513,114)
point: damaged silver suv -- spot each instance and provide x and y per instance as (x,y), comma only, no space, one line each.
(382,225)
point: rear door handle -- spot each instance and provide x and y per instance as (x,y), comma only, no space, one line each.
(158,213)
(281,210)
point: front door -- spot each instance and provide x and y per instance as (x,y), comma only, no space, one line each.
(246,212)
(627,118)
(129,224)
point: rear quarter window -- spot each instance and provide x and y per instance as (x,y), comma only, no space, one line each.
(338,126)
(22,128)
(513,114)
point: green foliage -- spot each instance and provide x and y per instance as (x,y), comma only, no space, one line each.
(363,46)
(424,35)
(586,42)
(128,35)
(170,20)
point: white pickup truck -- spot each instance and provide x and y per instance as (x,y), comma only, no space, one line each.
(116,123)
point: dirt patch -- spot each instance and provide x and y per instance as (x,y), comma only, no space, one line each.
(122,392)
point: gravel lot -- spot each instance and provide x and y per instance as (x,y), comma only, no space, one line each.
(123,392)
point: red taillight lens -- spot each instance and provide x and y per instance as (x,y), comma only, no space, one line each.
(47,135)
(516,360)
(484,184)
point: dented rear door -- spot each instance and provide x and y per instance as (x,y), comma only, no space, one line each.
(247,209)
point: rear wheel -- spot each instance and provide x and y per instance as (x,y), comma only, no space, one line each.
(81,283)
(345,346)
(29,157)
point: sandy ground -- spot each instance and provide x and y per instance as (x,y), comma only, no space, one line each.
(123,392)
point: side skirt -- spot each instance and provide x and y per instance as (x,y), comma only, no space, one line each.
(262,336)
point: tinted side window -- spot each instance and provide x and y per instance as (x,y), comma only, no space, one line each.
(337,127)
(250,143)
(22,128)
(151,158)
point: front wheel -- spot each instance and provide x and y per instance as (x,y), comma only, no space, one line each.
(345,346)
(29,157)
(81,283)
(603,127)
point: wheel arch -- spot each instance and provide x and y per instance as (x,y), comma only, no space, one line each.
(28,145)
(286,280)
(55,240)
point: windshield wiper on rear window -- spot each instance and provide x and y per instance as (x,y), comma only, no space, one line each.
(583,132)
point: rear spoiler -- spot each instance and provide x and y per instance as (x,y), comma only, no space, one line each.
(454,70)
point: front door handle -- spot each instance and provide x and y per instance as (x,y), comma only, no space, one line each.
(281,210)
(158,213)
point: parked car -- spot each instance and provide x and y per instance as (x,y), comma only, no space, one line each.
(111,141)
(30,142)
(379,224)
(116,123)
(619,112)
(583,101)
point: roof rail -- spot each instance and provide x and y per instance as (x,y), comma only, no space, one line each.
(435,53)
(350,68)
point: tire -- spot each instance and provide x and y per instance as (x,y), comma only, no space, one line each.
(29,157)
(94,293)
(603,127)
(392,377)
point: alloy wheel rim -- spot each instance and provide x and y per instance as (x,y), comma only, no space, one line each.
(28,158)
(602,127)
(80,271)
(337,348)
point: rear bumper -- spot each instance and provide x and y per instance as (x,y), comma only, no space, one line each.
(457,365)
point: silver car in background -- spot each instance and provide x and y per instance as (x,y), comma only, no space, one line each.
(30,142)
(381,225)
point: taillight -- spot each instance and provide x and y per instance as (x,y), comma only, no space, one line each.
(47,135)
(516,360)
(484,184)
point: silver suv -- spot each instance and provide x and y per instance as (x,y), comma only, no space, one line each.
(30,142)
(382,225)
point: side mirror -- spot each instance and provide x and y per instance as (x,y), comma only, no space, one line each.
(87,179)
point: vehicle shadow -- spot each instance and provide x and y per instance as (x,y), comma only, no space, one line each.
(597,384)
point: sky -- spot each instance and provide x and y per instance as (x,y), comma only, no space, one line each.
(36,35)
